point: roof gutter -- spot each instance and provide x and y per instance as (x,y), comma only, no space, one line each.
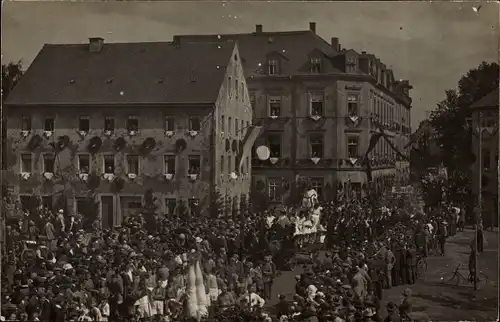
(113,104)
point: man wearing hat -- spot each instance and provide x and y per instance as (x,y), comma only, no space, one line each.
(268,274)
(392,313)
(406,306)
(60,222)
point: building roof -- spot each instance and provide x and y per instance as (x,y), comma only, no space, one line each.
(489,100)
(256,47)
(124,73)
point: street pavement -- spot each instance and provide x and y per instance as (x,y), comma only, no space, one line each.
(433,295)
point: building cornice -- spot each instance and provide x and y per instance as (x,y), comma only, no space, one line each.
(338,76)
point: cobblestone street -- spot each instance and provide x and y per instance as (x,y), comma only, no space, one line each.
(433,295)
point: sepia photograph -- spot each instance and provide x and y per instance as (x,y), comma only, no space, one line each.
(249,161)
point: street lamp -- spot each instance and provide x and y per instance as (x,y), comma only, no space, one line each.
(478,132)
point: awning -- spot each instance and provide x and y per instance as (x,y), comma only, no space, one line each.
(252,134)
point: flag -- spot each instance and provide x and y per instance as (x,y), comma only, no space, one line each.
(373,142)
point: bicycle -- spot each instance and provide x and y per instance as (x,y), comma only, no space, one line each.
(458,278)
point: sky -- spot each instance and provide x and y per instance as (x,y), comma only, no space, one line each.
(432,44)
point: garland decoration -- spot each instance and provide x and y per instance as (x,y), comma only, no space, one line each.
(94,145)
(119,144)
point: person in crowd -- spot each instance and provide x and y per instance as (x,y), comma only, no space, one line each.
(137,271)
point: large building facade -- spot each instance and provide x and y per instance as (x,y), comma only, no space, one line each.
(318,105)
(485,148)
(114,121)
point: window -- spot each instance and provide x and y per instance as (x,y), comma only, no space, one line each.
(49,124)
(237,88)
(26,163)
(229,125)
(194,163)
(109,164)
(486,159)
(229,164)
(273,67)
(274,105)
(133,123)
(170,204)
(316,104)
(169,123)
(25,123)
(109,124)
(48,163)
(222,124)
(352,147)
(352,105)
(84,124)
(236,127)
(315,65)
(316,143)
(230,85)
(252,101)
(84,163)
(194,124)
(243,129)
(317,185)
(273,192)
(352,61)
(222,165)
(133,164)
(169,163)
(274,144)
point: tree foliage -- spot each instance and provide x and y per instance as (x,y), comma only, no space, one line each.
(11,73)
(450,121)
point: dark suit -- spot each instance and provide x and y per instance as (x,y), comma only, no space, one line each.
(411,259)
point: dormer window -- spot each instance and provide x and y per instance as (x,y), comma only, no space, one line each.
(315,65)
(273,67)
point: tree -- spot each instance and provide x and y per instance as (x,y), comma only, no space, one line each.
(11,73)
(450,119)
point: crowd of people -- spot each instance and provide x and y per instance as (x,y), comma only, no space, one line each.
(54,270)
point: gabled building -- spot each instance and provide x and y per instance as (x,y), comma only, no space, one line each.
(485,180)
(113,120)
(318,104)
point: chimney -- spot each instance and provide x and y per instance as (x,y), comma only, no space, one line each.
(258,28)
(312,27)
(335,43)
(363,53)
(95,44)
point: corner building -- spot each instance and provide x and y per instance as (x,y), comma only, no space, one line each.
(110,121)
(318,105)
